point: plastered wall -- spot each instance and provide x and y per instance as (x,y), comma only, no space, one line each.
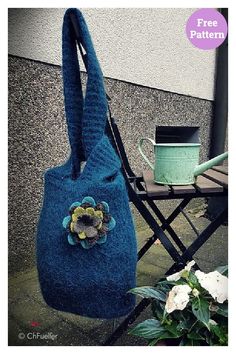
(142,46)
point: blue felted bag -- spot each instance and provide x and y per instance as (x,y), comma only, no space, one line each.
(86,245)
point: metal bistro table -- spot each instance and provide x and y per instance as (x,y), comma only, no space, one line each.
(143,193)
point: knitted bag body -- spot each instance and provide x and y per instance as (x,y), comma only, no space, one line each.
(86,245)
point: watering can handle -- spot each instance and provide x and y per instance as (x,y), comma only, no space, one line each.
(142,153)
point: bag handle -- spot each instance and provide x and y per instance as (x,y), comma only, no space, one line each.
(86,117)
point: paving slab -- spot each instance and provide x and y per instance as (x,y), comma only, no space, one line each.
(28,311)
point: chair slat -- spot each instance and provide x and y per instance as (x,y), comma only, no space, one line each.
(183,189)
(205,185)
(217,177)
(222,169)
(152,188)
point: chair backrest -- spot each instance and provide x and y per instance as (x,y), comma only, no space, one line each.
(114,135)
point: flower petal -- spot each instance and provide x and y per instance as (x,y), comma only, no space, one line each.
(85,244)
(79,211)
(72,227)
(89,200)
(111,224)
(189,265)
(102,239)
(178,298)
(75,204)
(178,275)
(99,226)
(74,217)
(105,206)
(174,277)
(90,211)
(79,227)
(99,213)
(82,235)
(72,240)
(96,222)
(215,283)
(66,221)
(91,231)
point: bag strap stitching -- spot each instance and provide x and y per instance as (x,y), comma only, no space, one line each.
(84,128)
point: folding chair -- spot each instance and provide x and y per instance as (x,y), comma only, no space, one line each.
(138,195)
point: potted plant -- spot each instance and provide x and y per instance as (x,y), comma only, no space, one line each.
(189,308)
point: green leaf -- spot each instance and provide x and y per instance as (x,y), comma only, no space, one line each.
(219,332)
(157,309)
(195,336)
(149,292)
(165,288)
(223,270)
(177,315)
(183,341)
(165,283)
(200,308)
(222,309)
(169,335)
(183,326)
(173,329)
(193,280)
(198,327)
(153,342)
(190,342)
(148,329)
(185,323)
(209,339)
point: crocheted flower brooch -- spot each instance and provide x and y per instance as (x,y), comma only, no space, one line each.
(88,223)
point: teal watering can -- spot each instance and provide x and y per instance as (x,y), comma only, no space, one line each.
(178,163)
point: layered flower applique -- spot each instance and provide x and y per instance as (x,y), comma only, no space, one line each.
(88,223)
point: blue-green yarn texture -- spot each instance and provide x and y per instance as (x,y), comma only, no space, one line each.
(90,282)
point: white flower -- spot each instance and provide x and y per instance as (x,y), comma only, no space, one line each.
(178,275)
(215,283)
(212,322)
(195,292)
(178,298)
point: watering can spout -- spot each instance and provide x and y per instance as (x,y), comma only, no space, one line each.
(208,164)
